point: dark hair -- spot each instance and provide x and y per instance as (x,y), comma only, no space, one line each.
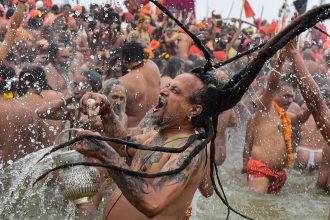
(325,93)
(283,83)
(33,23)
(108,84)
(10,12)
(205,98)
(107,15)
(94,79)
(173,66)
(31,78)
(55,9)
(7,74)
(133,52)
(53,49)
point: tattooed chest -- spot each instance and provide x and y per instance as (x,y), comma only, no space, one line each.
(150,161)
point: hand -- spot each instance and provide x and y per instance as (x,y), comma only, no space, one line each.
(292,45)
(100,101)
(90,148)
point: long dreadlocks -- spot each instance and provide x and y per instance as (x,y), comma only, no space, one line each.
(215,98)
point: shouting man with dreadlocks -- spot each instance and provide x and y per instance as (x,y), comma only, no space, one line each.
(178,115)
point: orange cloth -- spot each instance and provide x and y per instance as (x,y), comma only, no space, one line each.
(154,44)
(196,51)
(220,55)
(258,169)
(48,3)
(287,131)
(201,26)
(78,8)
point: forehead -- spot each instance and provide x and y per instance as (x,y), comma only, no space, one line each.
(79,78)
(187,82)
(287,89)
(118,90)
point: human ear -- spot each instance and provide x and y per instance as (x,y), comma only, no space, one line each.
(195,110)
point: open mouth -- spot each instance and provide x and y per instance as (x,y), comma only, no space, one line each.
(160,105)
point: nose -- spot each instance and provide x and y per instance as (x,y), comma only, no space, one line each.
(164,92)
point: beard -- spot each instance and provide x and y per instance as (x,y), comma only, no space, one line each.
(118,110)
(162,122)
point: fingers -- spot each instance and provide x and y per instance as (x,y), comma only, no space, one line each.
(100,101)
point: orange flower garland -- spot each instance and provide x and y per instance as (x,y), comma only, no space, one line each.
(287,131)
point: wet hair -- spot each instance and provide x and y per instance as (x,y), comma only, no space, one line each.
(47,32)
(173,67)
(10,12)
(92,24)
(66,26)
(7,82)
(33,23)
(160,64)
(65,5)
(94,79)
(55,9)
(133,52)
(108,84)
(107,15)
(52,51)
(325,93)
(32,78)
(65,38)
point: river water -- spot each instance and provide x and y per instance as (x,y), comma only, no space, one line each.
(298,199)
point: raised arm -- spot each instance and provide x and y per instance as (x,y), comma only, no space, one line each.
(265,101)
(310,91)
(57,109)
(10,36)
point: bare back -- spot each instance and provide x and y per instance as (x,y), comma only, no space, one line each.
(47,130)
(183,46)
(142,85)
(16,132)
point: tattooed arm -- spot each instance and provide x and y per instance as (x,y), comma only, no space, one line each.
(151,196)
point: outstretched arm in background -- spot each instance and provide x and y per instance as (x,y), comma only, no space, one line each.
(310,91)
(11,33)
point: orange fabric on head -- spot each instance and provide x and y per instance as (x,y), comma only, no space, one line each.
(128,16)
(158,11)
(273,27)
(263,29)
(154,44)
(78,8)
(48,3)
(220,55)
(196,51)
(201,26)
(34,13)
(146,9)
